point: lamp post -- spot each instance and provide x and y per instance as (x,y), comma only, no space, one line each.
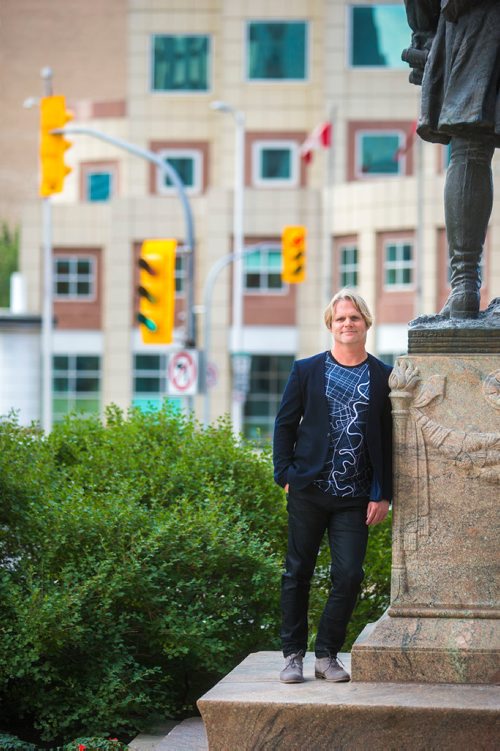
(237,397)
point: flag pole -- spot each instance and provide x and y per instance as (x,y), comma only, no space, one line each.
(327,220)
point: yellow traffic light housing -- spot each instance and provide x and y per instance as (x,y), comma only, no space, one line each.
(53,146)
(157,291)
(293,249)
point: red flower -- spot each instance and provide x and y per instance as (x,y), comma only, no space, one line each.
(81,747)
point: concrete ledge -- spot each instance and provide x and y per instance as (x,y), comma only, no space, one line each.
(250,710)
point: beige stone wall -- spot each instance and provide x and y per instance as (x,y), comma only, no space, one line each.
(85,45)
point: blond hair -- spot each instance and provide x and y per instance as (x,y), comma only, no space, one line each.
(357,301)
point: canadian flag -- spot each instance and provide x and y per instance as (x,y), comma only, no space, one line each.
(319,138)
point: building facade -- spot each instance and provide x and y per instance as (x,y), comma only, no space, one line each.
(371,201)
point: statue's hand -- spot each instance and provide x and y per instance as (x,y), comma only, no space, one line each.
(416,55)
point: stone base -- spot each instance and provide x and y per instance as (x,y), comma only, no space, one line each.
(250,710)
(428,650)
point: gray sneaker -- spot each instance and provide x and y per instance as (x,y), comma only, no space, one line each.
(293,670)
(331,669)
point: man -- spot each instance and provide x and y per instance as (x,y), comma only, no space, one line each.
(455,56)
(333,455)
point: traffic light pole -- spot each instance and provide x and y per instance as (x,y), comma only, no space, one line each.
(207,311)
(171,173)
(47,304)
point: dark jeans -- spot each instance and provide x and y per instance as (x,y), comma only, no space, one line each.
(310,513)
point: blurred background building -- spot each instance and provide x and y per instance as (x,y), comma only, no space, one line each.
(148,71)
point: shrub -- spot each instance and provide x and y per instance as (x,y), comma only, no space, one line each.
(139,562)
(95,744)
(12,743)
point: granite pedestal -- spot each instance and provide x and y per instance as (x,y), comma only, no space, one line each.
(443,621)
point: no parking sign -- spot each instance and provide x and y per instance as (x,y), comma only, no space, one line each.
(182,373)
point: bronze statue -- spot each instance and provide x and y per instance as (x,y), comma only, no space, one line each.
(455,57)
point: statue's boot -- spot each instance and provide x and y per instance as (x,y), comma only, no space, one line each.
(468,200)
(463,300)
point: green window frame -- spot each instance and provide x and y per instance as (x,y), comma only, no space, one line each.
(180,62)
(398,264)
(180,273)
(348,266)
(76,385)
(268,377)
(188,163)
(149,382)
(277,50)
(262,271)
(74,278)
(99,186)
(275,163)
(379,153)
(377,35)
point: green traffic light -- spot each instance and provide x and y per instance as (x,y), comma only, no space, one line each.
(147,322)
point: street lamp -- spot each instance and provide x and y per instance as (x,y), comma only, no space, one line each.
(236,345)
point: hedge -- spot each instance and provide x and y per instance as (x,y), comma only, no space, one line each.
(140,561)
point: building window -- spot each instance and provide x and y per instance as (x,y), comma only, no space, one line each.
(74,278)
(188,164)
(181,62)
(268,376)
(76,383)
(380,153)
(348,266)
(275,163)
(378,34)
(276,51)
(180,273)
(262,269)
(99,186)
(150,382)
(398,264)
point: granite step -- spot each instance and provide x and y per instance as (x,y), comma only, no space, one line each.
(250,710)
(188,735)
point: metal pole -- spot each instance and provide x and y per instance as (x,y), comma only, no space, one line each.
(171,173)
(238,212)
(207,309)
(47,303)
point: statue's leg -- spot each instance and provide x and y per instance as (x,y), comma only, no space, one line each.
(468,200)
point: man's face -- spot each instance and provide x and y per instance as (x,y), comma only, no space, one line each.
(348,325)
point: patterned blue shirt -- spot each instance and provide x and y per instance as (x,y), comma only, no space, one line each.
(347,470)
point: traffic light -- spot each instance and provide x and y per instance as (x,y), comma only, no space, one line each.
(293,249)
(157,291)
(53,115)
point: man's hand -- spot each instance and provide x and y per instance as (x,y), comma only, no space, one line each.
(376,512)
(286,488)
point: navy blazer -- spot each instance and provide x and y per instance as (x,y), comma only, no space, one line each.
(302,427)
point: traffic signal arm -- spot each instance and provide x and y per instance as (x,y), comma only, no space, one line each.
(157,291)
(53,146)
(293,250)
